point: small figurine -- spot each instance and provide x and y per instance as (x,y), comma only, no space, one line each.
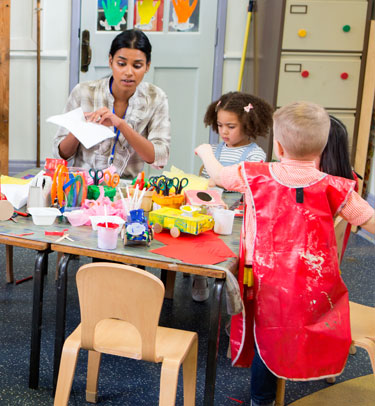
(137,230)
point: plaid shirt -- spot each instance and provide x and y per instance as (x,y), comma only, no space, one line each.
(147,114)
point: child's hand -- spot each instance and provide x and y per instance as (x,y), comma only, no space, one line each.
(203,150)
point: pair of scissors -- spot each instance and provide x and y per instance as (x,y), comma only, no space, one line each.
(96,175)
(111,180)
(165,185)
(155,180)
(179,184)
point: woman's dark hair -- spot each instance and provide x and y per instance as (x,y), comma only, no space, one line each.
(335,156)
(256,119)
(132,39)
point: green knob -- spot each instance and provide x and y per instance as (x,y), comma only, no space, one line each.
(346,28)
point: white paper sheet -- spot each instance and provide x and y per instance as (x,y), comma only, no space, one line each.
(88,134)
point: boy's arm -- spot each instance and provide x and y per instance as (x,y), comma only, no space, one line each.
(212,165)
(369,225)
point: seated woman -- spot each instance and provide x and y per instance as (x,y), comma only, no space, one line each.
(137,111)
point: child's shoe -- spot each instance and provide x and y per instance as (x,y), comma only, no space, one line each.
(199,290)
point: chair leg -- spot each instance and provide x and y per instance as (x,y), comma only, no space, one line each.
(68,364)
(93,365)
(9,263)
(190,374)
(369,346)
(280,393)
(168,383)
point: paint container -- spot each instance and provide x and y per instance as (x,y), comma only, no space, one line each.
(223,221)
(108,235)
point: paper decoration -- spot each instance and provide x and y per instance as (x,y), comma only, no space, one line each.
(205,249)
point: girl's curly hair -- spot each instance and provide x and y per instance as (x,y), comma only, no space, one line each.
(255,123)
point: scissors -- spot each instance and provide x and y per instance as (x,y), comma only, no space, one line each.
(97,175)
(179,184)
(165,185)
(111,180)
(155,182)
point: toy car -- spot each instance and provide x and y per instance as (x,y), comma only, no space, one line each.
(137,229)
(179,221)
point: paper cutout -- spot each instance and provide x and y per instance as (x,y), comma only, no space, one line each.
(205,249)
(147,10)
(113,14)
(87,133)
(183,9)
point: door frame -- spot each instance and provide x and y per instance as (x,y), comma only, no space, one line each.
(218,56)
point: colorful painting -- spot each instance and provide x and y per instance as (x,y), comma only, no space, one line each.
(112,15)
(148,15)
(184,15)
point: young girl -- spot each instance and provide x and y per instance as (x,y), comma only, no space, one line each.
(238,118)
(335,161)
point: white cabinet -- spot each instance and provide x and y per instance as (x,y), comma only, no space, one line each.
(311,50)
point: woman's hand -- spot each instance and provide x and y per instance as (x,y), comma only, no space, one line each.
(104,116)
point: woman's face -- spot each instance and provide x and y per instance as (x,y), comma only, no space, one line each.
(128,68)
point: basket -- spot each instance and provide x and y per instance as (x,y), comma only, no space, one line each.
(174,201)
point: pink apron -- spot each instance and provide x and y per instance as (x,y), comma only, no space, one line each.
(301,319)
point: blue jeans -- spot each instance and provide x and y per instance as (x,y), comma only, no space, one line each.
(263,383)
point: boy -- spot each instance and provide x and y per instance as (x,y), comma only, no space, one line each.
(301,310)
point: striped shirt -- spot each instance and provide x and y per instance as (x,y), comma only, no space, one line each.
(147,114)
(291,173)
(232,155)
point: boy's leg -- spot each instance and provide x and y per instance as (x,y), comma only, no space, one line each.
(263,383)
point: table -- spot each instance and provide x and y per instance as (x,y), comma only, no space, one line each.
(85,244)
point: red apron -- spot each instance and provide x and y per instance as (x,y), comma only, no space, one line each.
(301,320)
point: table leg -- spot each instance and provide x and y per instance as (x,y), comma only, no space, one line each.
(168,278)
(213,342)
(61,287)
(41,264)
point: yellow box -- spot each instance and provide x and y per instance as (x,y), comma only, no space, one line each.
(170,218)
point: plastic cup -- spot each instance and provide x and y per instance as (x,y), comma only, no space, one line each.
(108,235)
(223,221)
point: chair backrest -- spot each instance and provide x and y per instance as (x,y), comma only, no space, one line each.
(115,291)
(340,229)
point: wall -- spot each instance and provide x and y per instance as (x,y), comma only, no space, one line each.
(55,43)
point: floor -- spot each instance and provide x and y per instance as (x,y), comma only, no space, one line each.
(128,382)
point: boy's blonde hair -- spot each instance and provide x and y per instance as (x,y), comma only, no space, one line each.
(302,128)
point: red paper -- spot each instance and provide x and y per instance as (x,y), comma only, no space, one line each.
(205,249)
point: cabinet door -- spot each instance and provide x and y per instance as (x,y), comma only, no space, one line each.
(324,25)
(329,80)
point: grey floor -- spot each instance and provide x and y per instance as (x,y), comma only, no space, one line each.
(127,382)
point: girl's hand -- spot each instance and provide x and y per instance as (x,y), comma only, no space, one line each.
(203,150)
(104,116)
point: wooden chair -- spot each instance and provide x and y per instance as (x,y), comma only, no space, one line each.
(362,321)
(120,308)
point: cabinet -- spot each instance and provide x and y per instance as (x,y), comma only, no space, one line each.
(310,50)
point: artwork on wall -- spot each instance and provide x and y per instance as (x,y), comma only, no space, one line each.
(184,15)
(112,15)
(148,15)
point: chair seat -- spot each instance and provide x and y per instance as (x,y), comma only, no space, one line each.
(118,337)
(362,321)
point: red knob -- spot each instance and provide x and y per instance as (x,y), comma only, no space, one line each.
(305,73)
(344,76)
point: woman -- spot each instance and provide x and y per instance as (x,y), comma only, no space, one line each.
(137,111)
